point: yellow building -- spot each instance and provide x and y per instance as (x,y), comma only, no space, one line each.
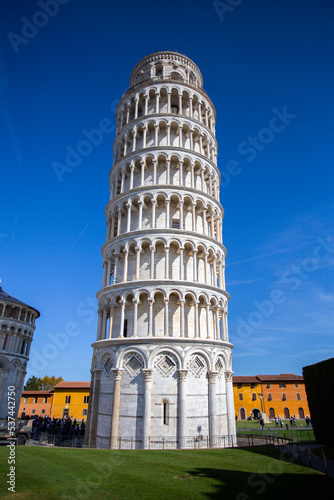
(281,396)
(70,399)
(247,399)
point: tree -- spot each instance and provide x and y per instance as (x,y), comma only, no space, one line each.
(48,383)
(41,384)
(33,384)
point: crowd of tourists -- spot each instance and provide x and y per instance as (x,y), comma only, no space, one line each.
(63,428)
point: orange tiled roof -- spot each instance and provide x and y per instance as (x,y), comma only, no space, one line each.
(250,379)
(36,393)
(286,377)
(72,385)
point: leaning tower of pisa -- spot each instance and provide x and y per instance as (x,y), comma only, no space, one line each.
(161,369)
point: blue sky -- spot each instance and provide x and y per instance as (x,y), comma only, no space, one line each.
(268,68)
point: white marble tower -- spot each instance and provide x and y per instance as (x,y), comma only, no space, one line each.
(17,326)
(161,369)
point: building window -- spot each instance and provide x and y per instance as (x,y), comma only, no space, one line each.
(298,397)
(241,397)
(67,400)
(253,396)
(125,328)
(252,386)
(239,386)
(166,412)
(43,412)
(282,385)
(33,411)
(268,386)
(84,412)
(283,396)
(297,386)
(270,398)
(25,400)
(175,223)
(86,399)
(34,400)
(45,400)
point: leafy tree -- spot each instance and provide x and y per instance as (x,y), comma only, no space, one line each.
(42,384)
(48,383)
(33,384)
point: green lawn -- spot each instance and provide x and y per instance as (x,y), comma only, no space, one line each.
(254,424)
(241,474)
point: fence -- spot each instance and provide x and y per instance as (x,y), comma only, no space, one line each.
(173,442)
(303,453)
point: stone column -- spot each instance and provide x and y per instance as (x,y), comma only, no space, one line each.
(128,222)
(156,135)
(104,324)
(108,272)
(121,329)
(180,137)
(212,375)
(167,213)
(95,408)
(111,320)
(99,322)
(104,277)
(146,103)
(144,135)
(181,264)
(142,173)
(119,222)
(168,100)
(182,408)
(166,318)
(115,408)
(217,323)
(182,318)
(154,203)
(196,320)
(135,314)
(152,248)
(166,263)
(126,253)
(136,106)
(181,214)
(193,206)
(122,179)
(154,172)
(150,317)
(148,374)
(207,321)
(115,267)
(137,262)
(230,409)
(167,171)
(132,167)
(140,213)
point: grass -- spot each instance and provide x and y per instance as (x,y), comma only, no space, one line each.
(242,474)
(254,424)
